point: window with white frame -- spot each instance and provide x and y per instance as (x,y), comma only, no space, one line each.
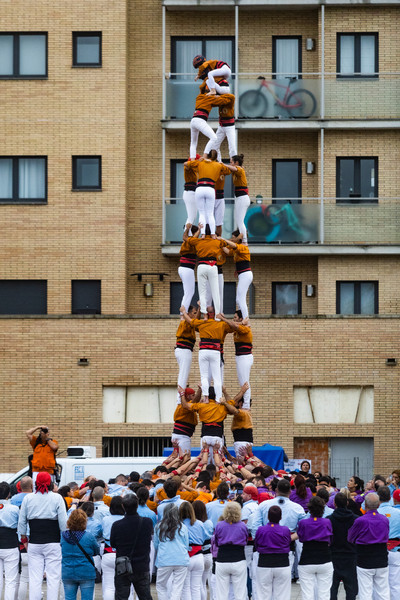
(357,55)
(139,404)
(23,179)
(23,55)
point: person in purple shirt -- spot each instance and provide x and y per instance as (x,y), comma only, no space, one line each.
(370,534)
(272,541)
(315,565)
(301,494)
(229,540)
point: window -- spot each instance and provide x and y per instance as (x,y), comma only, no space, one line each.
(286,180)
(178,180)
(86,49)
(23,179)
(135,446)
(286,298)
(356,178)
(333,404)
(185,49)
(286,57)
(86,297)
(357,297)
(86,173)
(357,55)
(23,55)
(23,297)
(176,295)
(136,404)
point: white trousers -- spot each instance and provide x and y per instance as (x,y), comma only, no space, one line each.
(184,360)
(108,571)
(198,125)
(191,206)
(243,368)
(315,581)
(230,134)
(394,574)
(183,441)
(9,562)
(188,283)
(242,203)
(22,588)
(209,361)
(219,211)
(208,276)
(254,576)
(206,577)
(223,71)
(44,558)
(209,298)
(193,581)
(244,282)
(373,583)
(177,574)
(235,572)
(240,448)
(274,583)
(205,201)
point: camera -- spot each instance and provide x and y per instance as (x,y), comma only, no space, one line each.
(44,430)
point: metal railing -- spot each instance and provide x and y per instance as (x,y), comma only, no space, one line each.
(295,96)
(298,221)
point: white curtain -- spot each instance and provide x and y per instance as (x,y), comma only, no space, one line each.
(347,298)
(179,179)
(367,51)
(31,178)
(287,299)
(32,55)
(367,298)
(287,57)
(6,54)
(6,171)
(346,54)
(220,50)
(88,49)
(186,50)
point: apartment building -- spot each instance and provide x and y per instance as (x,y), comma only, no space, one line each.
(95,113)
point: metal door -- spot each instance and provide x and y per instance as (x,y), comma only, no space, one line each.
(351,456)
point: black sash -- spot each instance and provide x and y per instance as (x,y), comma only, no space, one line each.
(44,531)
(8,538)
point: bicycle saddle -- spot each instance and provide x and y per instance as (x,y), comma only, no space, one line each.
(260,77)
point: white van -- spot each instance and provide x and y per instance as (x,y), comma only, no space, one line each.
(81,461)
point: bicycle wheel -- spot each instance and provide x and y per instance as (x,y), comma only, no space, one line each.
(301,104)
(252,104)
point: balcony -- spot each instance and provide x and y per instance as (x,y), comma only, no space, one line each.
(302,103)
(303,222)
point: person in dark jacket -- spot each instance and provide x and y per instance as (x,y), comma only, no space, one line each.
(343,552)
(76,569)
(131,536)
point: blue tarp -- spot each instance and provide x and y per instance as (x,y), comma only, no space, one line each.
(270,455)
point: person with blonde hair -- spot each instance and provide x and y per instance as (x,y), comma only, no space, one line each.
(229,541)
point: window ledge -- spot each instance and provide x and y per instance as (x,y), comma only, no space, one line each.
(86,190)
(94,66)
(23,202)
(24,77)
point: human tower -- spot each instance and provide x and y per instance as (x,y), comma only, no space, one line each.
(204,247)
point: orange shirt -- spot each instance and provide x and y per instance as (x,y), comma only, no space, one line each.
(206,247)
(190,175)
(44,458)
(242,420)
(209,169)
(205,497)
(210,65)
(211,329)
(205,103)
(211,412)
(239,177)
(226,112)
(185,415)
(244,334)
(241,252)
(185,335)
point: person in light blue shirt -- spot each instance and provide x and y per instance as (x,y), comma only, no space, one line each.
(93,525)
(292,512)
(216,508)
(9,515)
(26,487)
(395,481)
(143,510)
(171,542)
(100,509)
(171,489)
(197,535)
(392,512)
(117,513)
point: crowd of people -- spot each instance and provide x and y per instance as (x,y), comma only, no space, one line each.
(230,528)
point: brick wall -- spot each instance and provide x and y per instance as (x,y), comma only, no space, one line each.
(314,449)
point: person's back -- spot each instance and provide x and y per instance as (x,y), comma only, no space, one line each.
(342,519)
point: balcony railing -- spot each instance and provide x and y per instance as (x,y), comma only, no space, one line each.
(310,97)
(303,221)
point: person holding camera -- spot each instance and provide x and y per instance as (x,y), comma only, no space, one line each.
(44,451)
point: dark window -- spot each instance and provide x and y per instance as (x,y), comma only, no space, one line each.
(286,298)
(286,180)
(135,446)
(23,297)
(357,55)
(86,49)
(356,179)
(286,56)
(86,172)
(23,55)
(86,297)
(184,49)
(357,298)
(178,180)
(23,178)
(176,294)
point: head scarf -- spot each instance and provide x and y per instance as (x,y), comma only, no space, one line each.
(43,481)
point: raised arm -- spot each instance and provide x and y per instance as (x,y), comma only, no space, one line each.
(29,433)
(183,312)
(232,324)
(227,242)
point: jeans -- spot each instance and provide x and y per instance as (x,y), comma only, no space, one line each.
(140,581)
(71,589)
